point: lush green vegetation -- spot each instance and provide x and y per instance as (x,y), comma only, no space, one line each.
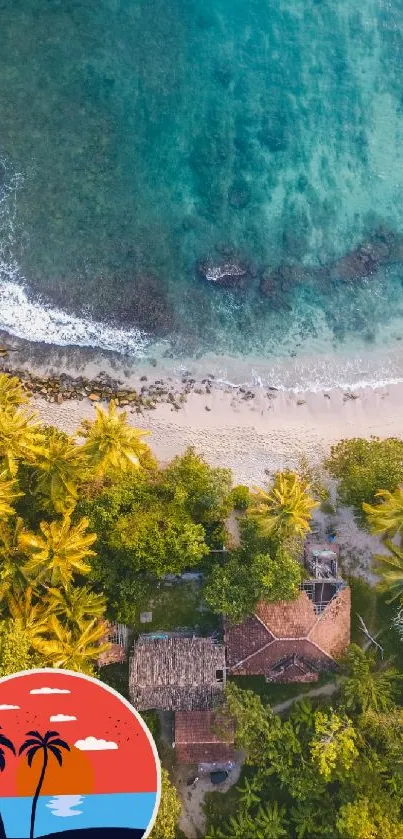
(363,467)
(312,773)
(90,527)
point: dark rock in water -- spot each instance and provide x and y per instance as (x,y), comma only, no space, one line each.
(239,194)
(229,273)
(357,264)
(383,247)
(283,278)
(387,245)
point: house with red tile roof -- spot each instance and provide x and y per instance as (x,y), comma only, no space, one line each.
(296,640)
(197,739)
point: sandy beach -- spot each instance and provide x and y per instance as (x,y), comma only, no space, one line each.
(267,432)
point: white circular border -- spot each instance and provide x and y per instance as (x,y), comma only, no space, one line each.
(49,671)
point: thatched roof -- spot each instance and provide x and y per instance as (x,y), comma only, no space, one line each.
(178,674)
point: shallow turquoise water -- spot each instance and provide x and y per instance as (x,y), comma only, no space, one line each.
(140,136)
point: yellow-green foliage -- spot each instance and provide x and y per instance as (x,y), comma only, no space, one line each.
(285,510)
(333,747)
(169,810)
(386,517)
(111,444)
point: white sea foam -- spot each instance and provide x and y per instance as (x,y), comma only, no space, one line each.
(32,320)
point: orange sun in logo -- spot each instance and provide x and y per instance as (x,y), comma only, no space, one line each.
(75,777)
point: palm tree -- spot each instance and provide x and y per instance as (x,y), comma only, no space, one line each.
(390,568)
(386,517)
(110,442)
(5,743)
(11,392)
(302,716)
(75,604)
(73,648)
(12,575)
(248,796)
(270,822)
(49,743)
(59,551)
(61,464)
(286,509)
(20,438)
(8,493)
(366,687)
(32,617)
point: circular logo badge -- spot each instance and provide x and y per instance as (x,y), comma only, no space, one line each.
(74,755)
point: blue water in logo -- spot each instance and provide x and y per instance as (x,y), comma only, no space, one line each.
(68,812)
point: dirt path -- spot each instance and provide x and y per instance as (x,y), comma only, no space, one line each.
(325,690)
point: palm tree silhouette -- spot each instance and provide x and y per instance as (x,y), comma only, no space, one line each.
(5,743)
(50,742)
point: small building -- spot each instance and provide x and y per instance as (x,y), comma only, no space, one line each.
(296,640)
(117,636)
(197,739)
(176,673)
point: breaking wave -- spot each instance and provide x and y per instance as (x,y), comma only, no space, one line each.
(31,320)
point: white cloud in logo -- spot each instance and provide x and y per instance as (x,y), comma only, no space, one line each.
(45,690)
(62,805)
(93,745)
(61,718)
(10,708)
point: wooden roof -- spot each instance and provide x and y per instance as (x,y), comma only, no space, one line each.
(176,673)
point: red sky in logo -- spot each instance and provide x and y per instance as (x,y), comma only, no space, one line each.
(109,750)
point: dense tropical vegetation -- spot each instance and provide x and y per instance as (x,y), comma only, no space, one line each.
(90,528)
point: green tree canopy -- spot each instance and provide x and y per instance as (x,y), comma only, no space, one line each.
(202,490)
(363,467)
(369,819)
(235,587)
(366,685)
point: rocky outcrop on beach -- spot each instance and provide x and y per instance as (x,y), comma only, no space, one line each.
(145,397)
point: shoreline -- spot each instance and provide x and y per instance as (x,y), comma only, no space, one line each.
(254,436)
(250,429)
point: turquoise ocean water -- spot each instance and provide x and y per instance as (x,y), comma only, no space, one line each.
(138,137)
(67,812)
